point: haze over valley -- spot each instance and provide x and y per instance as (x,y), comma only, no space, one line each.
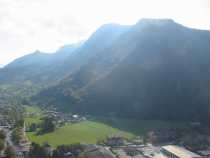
(104,79)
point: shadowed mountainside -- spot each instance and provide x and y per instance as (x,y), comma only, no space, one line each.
(155,69)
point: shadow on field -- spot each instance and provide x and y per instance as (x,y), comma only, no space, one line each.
(137,127)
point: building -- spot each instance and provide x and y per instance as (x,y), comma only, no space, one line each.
(20,155)
(131,151)
(173,151)
(115,141)
(204,153)
(68,155)
(139,156)
(99,152)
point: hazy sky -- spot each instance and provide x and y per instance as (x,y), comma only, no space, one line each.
(27,25)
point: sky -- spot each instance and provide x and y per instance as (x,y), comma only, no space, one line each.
(46,25)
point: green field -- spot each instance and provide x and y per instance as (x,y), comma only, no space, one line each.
(95,129)
(31,109)
(87,132)
(30,120)
(139,127)
(34,119)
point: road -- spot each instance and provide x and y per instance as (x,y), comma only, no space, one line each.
(9,142)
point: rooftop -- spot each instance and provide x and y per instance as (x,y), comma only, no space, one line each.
(180,151)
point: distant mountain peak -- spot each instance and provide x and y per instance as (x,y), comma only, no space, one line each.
(37,52)
(111,27)
(108,25)
(148,20)
(156,21)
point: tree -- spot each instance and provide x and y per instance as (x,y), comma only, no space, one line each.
(19,123)
(38,151)
(48,125)
(1,144)
(33,127)
(2,134)
(10,152)
(62,150)
(16,135)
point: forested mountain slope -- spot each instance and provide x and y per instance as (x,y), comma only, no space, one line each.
(155,69)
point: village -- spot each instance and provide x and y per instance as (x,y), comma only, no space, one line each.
(8,125)
(60,117)
(57,118)
(159,143)
(118,147)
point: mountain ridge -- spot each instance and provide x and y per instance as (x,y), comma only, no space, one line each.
(155,69)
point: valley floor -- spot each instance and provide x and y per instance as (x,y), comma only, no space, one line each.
(92,130)
(83,132)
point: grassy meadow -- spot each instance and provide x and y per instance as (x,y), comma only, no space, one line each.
(94,129)
(86,131)
(31,109)
(33,119)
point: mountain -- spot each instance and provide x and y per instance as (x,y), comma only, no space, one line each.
(34,72)
(26,76)
(42,68)
(36,68)
(165,76)
(155,69)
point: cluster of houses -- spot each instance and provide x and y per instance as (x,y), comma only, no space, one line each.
(118,147)
(96,151)
(5,121)
(22,148)
(23,144)
(58,118)
(161,142)
(190,139)
(6,124)
(62,118)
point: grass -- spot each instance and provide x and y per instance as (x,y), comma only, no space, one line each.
(87,132)
(31,109)
(33,119)
(30,120)
(95,129)
(139,127)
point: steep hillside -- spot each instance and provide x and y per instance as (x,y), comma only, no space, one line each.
(165,76)
(157,69)
(42,68)
(33,72)
(37,68)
